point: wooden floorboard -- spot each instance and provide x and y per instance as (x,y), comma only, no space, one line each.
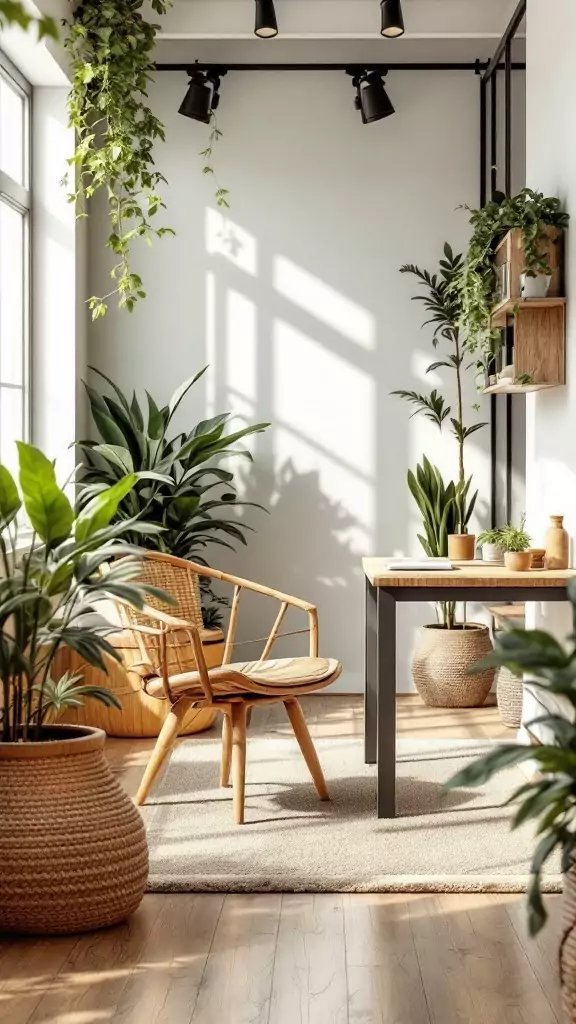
(297,958)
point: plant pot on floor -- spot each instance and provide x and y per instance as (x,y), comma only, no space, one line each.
(510,696)
(72,845)
(518,561)
(441,662)
(461,547)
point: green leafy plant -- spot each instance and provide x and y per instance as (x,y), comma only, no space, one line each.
(47,597)
(550,798)
(69,692)
(110,46)
(181,490)
(514,538)
(441,506)
(214,137)
(442,302)
(490,536)
(475,287)
(12,12)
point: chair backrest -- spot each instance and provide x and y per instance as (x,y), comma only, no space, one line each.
(176,577)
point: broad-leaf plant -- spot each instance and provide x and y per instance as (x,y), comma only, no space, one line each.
(13,12)
(182,490)
(48,595)
(549,798)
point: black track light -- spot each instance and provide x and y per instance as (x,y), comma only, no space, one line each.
(202,96)
(372,100)
(266,26)
(392,20)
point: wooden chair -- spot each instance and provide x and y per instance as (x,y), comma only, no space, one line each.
(173,668)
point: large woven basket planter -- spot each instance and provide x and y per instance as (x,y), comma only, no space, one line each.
(510,693)
(441,662)
(73,852)
(568,948)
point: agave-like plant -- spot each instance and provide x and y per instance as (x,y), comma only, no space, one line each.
(181,489)
(549,799)
(48,596)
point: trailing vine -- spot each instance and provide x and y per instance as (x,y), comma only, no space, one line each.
(110,46)
(13,12)
(215,135)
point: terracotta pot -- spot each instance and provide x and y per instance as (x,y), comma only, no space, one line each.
(557,545)
(461,547)
(441,663)
(538,555)
(72,845)
(518,561)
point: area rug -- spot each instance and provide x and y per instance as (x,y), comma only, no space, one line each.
(291,842)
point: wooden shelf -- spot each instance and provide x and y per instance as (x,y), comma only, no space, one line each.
(507,308)
(505,387)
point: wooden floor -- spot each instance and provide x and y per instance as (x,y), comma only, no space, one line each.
(297,959)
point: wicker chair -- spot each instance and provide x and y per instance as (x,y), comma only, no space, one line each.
(173,668)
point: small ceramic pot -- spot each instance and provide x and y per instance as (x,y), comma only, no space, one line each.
(492,553)
(534,287)
(518,561)
(461,547)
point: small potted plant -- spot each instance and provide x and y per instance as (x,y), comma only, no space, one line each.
(492,550)
(515,543)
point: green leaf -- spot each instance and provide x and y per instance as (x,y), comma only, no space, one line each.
(48,509)
(100,511)
(10,503)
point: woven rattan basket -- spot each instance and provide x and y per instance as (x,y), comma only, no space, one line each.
(441,662)
(568,949)
(510,692)
(73,850)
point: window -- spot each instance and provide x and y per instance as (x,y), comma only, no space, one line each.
(14,260)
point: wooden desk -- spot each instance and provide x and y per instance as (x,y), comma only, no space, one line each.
(469,581)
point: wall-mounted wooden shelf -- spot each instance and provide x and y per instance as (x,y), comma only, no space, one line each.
(511,307)
(505,387)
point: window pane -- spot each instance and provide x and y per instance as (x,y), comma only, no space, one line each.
(11,425)
(12,291)
(11,132)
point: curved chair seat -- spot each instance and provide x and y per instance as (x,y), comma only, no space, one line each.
(253,678)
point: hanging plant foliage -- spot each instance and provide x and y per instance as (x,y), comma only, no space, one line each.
(13,12)
(221,194)
(110,45)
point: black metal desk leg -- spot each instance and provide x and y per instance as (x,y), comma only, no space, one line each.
(386,704)
(371,677)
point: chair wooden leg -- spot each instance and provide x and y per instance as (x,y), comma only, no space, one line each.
(296,716)
(238,760)
(164,744)
(226,749)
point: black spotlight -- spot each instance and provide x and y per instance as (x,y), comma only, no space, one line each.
(202,96)
(392,20)
(372,100)
(266,25)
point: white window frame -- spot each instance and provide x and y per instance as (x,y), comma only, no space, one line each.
(20,197)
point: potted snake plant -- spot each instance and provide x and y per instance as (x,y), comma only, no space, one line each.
(72,845)
(547,799)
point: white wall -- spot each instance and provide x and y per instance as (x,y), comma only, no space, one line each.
(296,302)
(551,167)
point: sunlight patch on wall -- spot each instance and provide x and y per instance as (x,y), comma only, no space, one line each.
(324,397)
(227,239)
(241,344)
(210,335)
(325,303)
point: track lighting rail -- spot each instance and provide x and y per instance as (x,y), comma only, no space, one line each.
(476,66)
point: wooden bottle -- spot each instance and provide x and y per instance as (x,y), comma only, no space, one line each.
(557,545)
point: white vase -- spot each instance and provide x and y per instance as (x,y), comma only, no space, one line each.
(492,553)
(534,287)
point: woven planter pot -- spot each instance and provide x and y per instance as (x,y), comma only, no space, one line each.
(568,949)
(510,693)
(73,850)
(441,662)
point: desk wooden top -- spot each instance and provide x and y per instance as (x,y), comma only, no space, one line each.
(467,574)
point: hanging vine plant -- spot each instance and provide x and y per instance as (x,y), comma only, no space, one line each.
(110,46)
(13,12)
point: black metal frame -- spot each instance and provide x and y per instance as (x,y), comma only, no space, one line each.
(380,683)
(490,76)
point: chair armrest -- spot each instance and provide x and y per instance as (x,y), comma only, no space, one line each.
(170,624)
